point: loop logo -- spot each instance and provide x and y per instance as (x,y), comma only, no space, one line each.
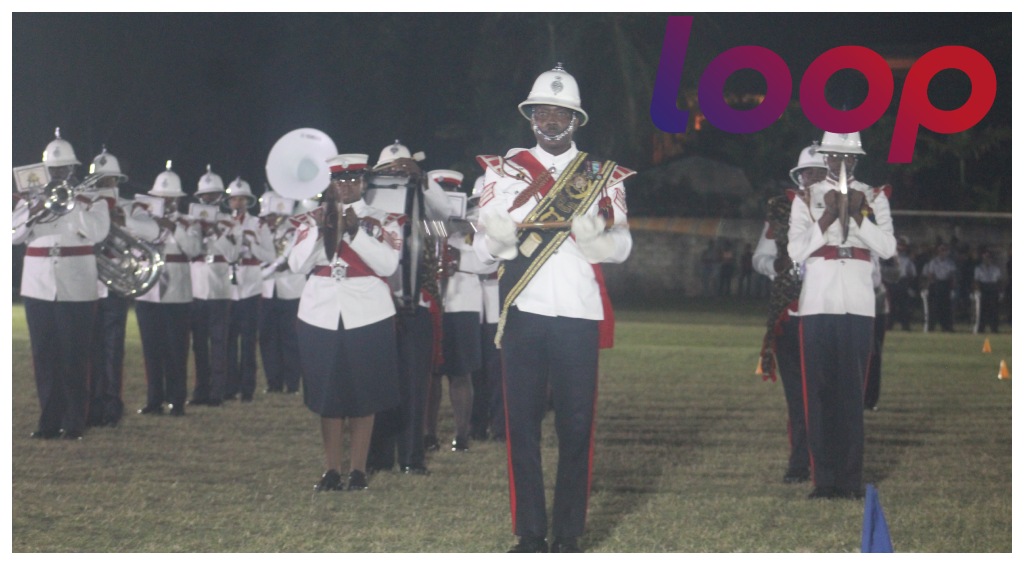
(915,109)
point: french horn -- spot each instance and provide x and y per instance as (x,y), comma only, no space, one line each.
(126,264)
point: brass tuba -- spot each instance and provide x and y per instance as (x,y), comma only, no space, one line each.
(126,264)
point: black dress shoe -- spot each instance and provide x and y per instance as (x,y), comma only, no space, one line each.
(478,434)
(42,434)
(71,435)
(152,410)
(431,443)
(198,402)
(414,470)
(331,480)
(460,444)
(530,545)
(796,476)
(357,480)
(565,545)
(246,398)
(822,492)
(177,410)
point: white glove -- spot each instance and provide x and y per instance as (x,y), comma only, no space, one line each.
(500,234)
(595,243)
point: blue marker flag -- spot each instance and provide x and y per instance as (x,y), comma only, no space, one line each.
(875,538)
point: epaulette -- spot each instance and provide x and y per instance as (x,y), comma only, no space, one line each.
(792,193)
(620,174)
(492,162)
(311,217)
(886,189)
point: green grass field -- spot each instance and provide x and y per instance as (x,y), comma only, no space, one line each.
(690,451)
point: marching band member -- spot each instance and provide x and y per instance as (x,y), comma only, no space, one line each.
(346,326)
(257,247)
(463,300)
(781,342)
(106,377)
(282,288)
(837,310)
(163,311)
(211,291)
(553,301)
(58,288)
(419,316)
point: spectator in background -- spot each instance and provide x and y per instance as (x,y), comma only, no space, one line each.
(903,292)
(727,266)
(941,277)
(708,268)
(746,271)
(987,277)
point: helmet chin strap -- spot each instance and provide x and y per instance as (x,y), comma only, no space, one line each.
(567,131)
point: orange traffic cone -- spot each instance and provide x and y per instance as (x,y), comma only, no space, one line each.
(987,348)
(1004,373)
(758,371)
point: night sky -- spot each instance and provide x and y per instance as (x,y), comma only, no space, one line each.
(222,88)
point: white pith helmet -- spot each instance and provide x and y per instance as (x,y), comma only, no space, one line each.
(210,182)
(239,187)
(555,88)
(391,153)
(845,143)
(167,184)
(810,158)
(107,164)
(59,153)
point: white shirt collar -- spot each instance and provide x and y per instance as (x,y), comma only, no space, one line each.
(559,162)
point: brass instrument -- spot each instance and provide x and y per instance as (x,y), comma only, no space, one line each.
(126,264)
(58,198)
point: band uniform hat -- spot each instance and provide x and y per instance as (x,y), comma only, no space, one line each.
(392,153)
(59,153)
(844,143)
(555,88)
(348,165)
(811,157)
(453,179)
(239,187)
(167,184)
(210,182)
(107,165)
(273,203)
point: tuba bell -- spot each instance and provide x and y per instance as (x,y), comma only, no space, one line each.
(297,164)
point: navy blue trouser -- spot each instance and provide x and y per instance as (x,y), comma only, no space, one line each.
(242,341)
(163,329)
(787,353)
(835,349)
(209,320)
(279,345)
(58,332)
(561,354)
(106,376)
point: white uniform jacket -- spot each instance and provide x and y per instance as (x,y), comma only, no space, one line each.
(839,286)
(566,284)
(211,270)
(59,261)
(257,248)
(330,294)
(178,248)
(284,284)
(464,292)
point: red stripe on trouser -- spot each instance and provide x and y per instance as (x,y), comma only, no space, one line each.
(807,412)
(508,445)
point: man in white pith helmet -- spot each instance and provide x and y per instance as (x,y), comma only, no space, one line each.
(552,214)
(837,310)
(781,343)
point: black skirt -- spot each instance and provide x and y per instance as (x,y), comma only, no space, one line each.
(349,373)
(461,342)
